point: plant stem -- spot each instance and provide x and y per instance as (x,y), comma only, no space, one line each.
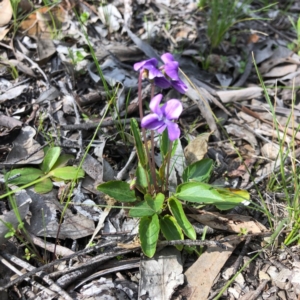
(168,166)
(152,150)
(144,132)
(152,166)
(140,97)
(23,187)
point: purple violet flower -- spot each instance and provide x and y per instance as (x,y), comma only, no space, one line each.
(171,68)
(149,66)
(149,70)
(162,117)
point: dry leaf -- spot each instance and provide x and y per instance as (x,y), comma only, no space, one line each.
(161,274)
(44,22)
(110,16)
(231,223)
(197,148)
(281,71)
(240,95)
(242,133)
(13,93)
(201,275)
(3,32)
(46,215)
(5,12)
(10,128)
(45,49)
(270,151)
(25,148)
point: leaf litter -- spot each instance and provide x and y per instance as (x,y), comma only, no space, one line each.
(50,84)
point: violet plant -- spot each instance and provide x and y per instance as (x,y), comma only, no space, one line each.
(161,213)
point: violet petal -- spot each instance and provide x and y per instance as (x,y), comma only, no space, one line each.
(154,105)
(172,109)
(151,122)
(149,62)
(162,82)
(161,128)
(153,72)
(173,131)
(171,70)
(180,86)
(167,57)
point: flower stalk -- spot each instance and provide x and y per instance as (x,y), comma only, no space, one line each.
(162,117)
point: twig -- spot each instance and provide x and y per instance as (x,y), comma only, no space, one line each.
(31,281)
(192,243)
(121,174)
(88,126)
(56,262)
(280,33)
(60,250)
(135,263)
(52,286)
(255,294)
(238,262)
(95,260)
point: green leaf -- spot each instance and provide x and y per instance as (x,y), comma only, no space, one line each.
(44,186)
(67,173)
(141,177)
(157,203)
(118,190)
(140,210)
(232,197)
(165,144)
(174,146)
(50,159)
(148,231)
(171,230)
(198,192)
(177,211)
(199,171)
(138,142)
(62,160)
(27,175)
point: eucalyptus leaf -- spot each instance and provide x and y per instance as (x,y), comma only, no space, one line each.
(44,186)
(177,211)
(50,159)
(27,175)
(198,192)
(140,210)
(67,173)
(171,230)
(199,171)
(118,190)
(149,230)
